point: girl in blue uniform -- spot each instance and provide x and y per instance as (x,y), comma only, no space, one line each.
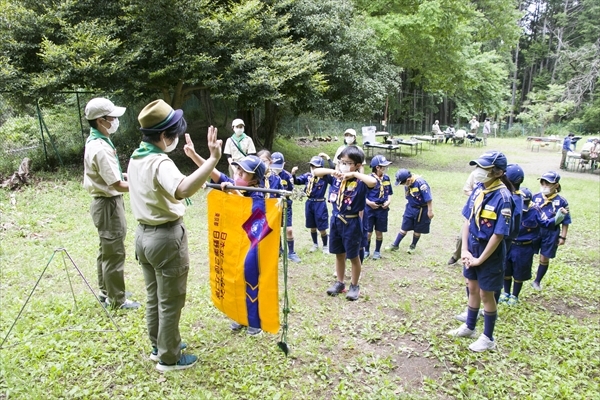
(549,202)
(488,216)
(378,205)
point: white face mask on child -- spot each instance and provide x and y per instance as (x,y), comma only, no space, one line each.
(349,139)
(344,168)
(481,175)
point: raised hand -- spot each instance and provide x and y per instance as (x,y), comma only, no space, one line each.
(188,147)
(214,145)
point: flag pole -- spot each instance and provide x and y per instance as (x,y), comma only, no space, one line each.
(285,193)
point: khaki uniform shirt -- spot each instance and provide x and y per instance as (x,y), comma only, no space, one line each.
(246,144)
(153,181)
(101,169)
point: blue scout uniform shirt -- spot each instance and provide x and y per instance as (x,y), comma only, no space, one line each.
(254,195)
(315,186)
(494,215)
(287,182)
(354,195)
(516,214)
(567,143)
(531,221)
(382,190)
(418,193)
(272,181)
(549,206)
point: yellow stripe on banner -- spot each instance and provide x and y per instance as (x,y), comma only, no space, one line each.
(228,248)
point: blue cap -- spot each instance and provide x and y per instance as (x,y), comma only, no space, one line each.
(515,174)
(253,165)
(317,161)
(550,177)
(491,159)
(379,161)
(401,176)
(526,193)
(277,160)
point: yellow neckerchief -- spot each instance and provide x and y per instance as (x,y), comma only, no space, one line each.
(340,197)
(409,181)
(548,200)
(476,210)
(309,186)
(380,180)
(267,184)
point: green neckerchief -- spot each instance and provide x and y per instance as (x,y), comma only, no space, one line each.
(146,149)
(242,137)
(96,134)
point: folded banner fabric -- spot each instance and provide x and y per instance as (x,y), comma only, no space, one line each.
(243,235)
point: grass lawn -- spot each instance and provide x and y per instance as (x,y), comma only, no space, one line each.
(390,344)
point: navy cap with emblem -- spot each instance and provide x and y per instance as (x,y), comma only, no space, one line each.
(550,177)
(277,160)
(526,193)
(379,161)
(316,161)
(253,165)
(491,158)
(401,176)
(515,174)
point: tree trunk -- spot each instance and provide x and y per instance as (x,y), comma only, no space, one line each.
(269,124)
(514,87)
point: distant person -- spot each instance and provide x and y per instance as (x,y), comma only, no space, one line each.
(566,148)
(105,182)
(378,205)
(157,189)
(349,140)
(449,133)
(238,146)
(474,124)
(435,129)
(487,129)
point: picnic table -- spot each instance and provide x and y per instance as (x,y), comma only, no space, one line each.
(535,142)
(414,145)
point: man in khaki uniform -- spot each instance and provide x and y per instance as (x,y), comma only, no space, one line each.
(104,181)
(238,146)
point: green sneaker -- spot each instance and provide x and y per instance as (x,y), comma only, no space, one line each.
(391,247)
(186,361)
(503,298)
(512,300)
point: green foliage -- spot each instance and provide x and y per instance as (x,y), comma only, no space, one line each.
(544,106)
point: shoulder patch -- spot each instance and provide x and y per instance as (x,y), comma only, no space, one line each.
(507,212)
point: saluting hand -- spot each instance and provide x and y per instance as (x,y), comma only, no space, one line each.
(188,147)
(294,170)
(214,145)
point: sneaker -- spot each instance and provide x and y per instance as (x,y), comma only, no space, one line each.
(253,331)
(367,254)
(392,247)
(411,249)
(536,286)
(376,255)
(294,257)
(462,317)
(353,292)
(325,249)
(463,331)
(482,344)
(154,353)
(314,248)
(452,261)
(512,300)
(337,288)
(186,361)
(503,298)
(128,305)
(234,326)
(104,297)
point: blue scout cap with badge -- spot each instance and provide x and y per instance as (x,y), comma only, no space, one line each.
(253,165)
(277,160)
(550,177)
(515,174)
(401,176)
(316,161)
(491,159)
(379,161)
(526,194)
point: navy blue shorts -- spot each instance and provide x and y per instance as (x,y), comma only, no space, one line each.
(519,261)
(288,215)
(346,237)
(416,219)
(490,274)
(376,218)
(549,242)
(316,214)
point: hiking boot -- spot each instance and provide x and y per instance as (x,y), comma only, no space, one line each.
(294,257)
(411,249)
(253,331)
(367,254)
(392,247)
(186,361)
(536,286)
(353,292)
(337,288)
(154,353)
(314,248)
(503,298)
(452,261)
(482,344)
(512,300)
(463,331)
(376,255)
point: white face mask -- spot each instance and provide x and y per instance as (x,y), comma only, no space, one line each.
(172,146)
(349,139)
(114,125)
(546,190)
(277,170)
(344,168)
(481,175)
(238,131)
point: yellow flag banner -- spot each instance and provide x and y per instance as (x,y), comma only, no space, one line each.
(243,234)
